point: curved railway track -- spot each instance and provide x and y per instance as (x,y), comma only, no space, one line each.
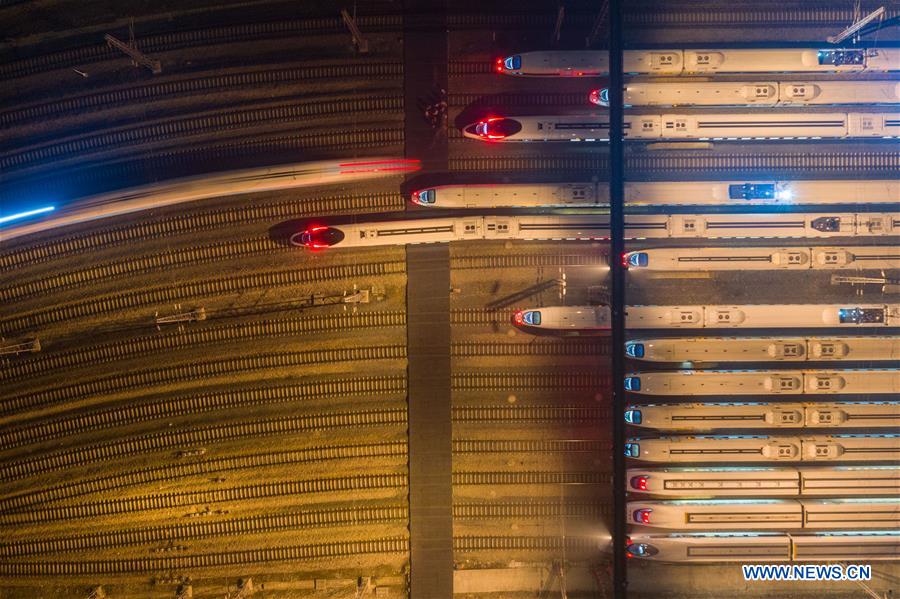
(166,42)
(158,90)
(873,161)
(181,292)
(386,546)
(198,337)
(46,429)
(169,501)
(245,248)
(197,436)
(121,139)
(25,501)
(26,252)
(142,379)
(267,523)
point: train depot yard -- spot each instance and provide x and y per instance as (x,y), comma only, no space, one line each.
(323,299)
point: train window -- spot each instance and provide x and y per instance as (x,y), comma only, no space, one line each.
(513,63)
(532,317)
(632,383)
(635,350)
(633,416)
(632,450)
(842,57)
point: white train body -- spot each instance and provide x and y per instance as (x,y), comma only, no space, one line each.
(762,258)
(744,126)
(763,349)
(665,193)
(765,482)
(706,417)
(756,93)
(761,448)
(593,227)
(763,316)
(766,514)
(764,382)
(565,320)
(591,63)
(764,547)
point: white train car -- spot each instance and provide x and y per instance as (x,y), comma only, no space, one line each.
(881,513)
(662,193)
(766,547)
(757,93)
(591,63)
(707,417)
(765,382)
(761,258)
(564,320)
(746,126)
(594,227)
(870,447)
(763,316)
(755,481)
(763,349)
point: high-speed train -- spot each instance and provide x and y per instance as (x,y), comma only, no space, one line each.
(764,258)
(764,382)
(591,63)
(767,547)
(763,349)
(755,93)
(745,126)
(706,417)
(596,226)
(190,189)
(755,481)
(882,513)
(869,447)
(675,193)
(595,319)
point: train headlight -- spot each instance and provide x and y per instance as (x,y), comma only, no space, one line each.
(633,416)
(639,483)
(632,383)
(634,350)
(642,516)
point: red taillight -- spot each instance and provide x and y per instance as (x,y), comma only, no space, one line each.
(639,482)
(627,545)
(625,260)
(499,65)
(519,317)
(595,96)
(645,516)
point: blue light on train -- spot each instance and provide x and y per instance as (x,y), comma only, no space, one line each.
(633,416)
(634,350)
(632,383)
(21,215)
(785,195)
(632,450)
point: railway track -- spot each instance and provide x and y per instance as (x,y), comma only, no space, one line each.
(121,139)
(167,42)
(868,162)
(245,248)
(567,347)
(47,429)
(182,292)
(197,437)
(517,414)
(482,446)
(141,379)
(149,565)
(198,337)
(169,501)
(551,380)
(531,478)
(386,546)
(158,90)
(47,496)
(267,523)
(510,101)
(30,252)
